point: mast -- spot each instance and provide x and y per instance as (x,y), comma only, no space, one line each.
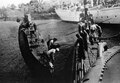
(86,14)
(85,9)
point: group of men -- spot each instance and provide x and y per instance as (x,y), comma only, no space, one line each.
(88,32)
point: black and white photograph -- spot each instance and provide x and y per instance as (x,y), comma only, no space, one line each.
(59,41)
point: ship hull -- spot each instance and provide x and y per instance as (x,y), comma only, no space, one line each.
(102,15)
(39,71)
(68,15)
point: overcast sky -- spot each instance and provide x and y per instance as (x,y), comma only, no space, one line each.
(16,2)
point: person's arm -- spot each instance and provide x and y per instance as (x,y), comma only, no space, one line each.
(35,27)
(79,18)
(76,43)
(87,36)
(99,28)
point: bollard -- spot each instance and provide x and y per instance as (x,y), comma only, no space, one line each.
(101,48)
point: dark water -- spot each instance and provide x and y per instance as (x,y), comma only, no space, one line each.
(12,66)
(111,30)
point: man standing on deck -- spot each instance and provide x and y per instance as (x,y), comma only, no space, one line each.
(95,30)
(80,52)
(84,35)
(25,22)
(80,44)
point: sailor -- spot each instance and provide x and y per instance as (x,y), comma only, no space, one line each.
(85,36)
(80,25)
(30,29)
(48,54)
(96,31)
(99,30)
(25,23)
(82,17)
(90,18)
(52,46)
(80,44)
(51,56)
(51,42)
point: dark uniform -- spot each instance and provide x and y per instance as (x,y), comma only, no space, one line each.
(25,23)
(81,52)
(83,34)
(90,18)
(51,43)
(82,17)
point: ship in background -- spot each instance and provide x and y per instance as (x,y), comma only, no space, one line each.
(104,11)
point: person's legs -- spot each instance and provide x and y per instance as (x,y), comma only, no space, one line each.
(51,55)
